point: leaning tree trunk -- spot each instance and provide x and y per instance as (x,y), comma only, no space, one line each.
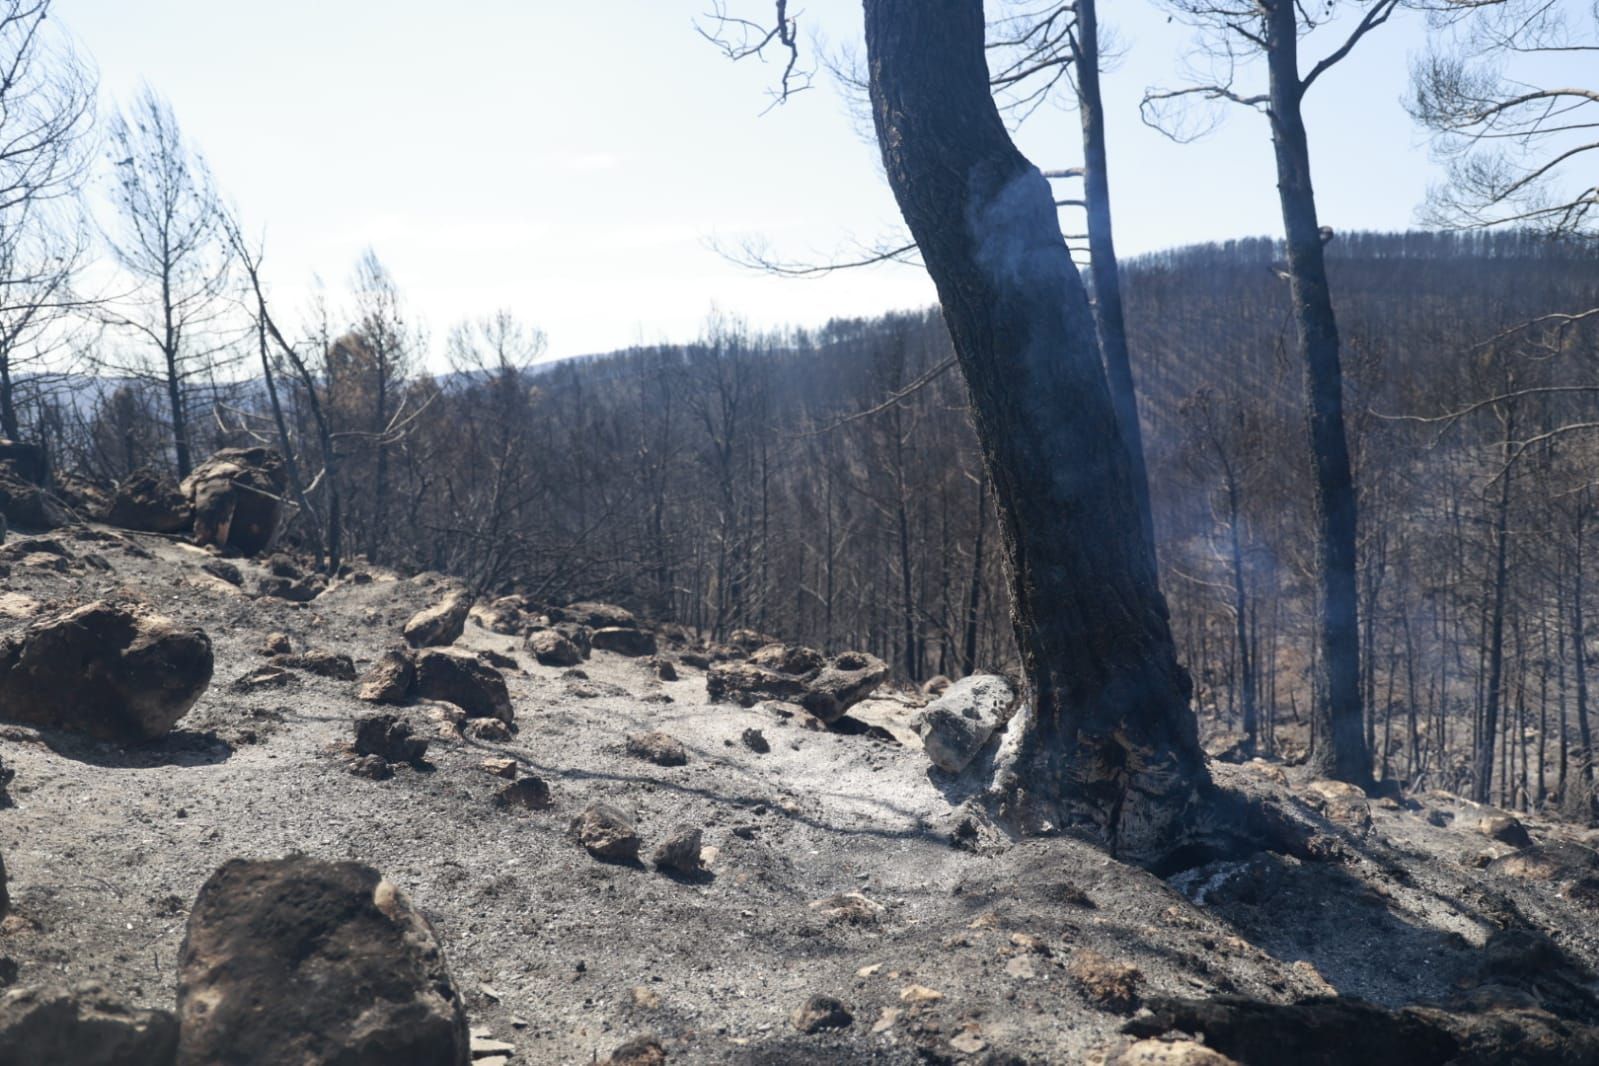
(1109,742)
(1102,257)
(1338,739)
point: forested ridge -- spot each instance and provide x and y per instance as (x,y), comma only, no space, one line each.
(822,485)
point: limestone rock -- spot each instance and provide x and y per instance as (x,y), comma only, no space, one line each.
(529,794)
(305,961)
(659,748)
(624,641)
(788,658)
(439,625)
(149,502)
(680,851)
(82,1026)
(1506,829)
(461,679)
(550,648)
(237,498)
(819,1013)
(842,683)
(606,833)
(322,663)
(388,737)
(955,726)
(390,679)
(104,670)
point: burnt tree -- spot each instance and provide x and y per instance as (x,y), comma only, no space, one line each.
(1110,741)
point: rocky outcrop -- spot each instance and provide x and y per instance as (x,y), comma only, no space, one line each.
(439,625)
(237,498)
(747,684)
(955,726)
(104,670)
(300,960)
(82,1026)
(826,691)
(149,502)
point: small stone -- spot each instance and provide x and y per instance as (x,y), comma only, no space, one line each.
(820,1013)
(484,1045)
(530,794)
(387,736)
(1171,1053)
(886,1020)
(500,767)
(680,851)
(1110,985)
(372,767)
(755,740)
(919,994)
(491,730)
(606,833)
(659,748)
(968,1042)
(640,1051)
(276,644)
(851,908)
(1021,967)
(645,998)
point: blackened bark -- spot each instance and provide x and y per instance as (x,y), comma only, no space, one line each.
(1110,742)
(1108,312)
(1484,754)
(1338,746)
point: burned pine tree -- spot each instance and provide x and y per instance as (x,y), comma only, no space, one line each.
(1110,740)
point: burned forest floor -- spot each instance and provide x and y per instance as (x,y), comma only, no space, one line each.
(837,863)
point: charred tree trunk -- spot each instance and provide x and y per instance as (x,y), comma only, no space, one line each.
(1109,742)
(974,599)
(1481,789)
(1338,743)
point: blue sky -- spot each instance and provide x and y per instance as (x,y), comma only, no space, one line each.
(575,162)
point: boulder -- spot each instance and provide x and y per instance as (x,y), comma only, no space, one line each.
(300,960)
(237,498)
(842,683)
(23,504)
(1506,829)
(624,641)
(505,615)
(25,461)
(788,658)
(391,678)
(149,502)
(105,670)
(596,615)
(748,640)
(640,1051)
(606,833)
(439,625)
(550,648)
(658,748)
(579,635)
(458,678)
(82,1026)
(390,738)
(955,726)
(747,684)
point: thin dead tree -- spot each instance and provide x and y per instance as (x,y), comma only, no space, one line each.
(169,239)
(1235,32)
